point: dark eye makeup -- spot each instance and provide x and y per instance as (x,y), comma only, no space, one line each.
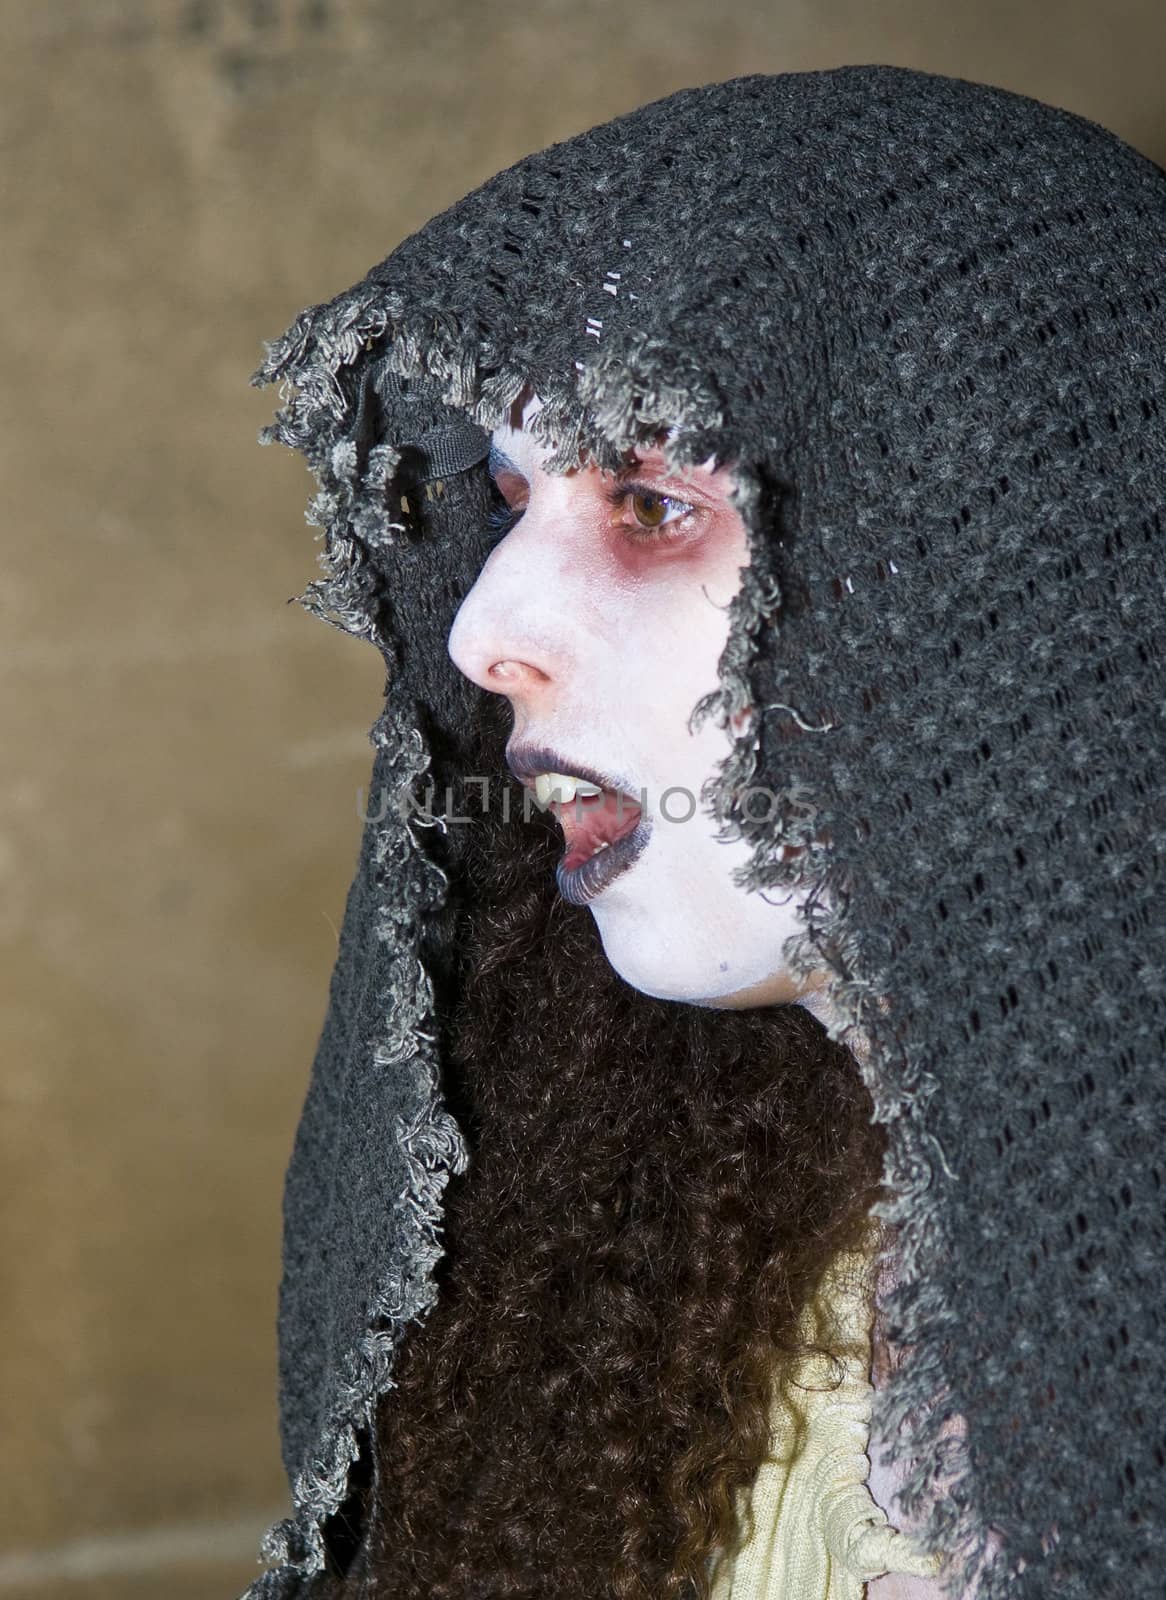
(502,516)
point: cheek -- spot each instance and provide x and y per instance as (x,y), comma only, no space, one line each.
(662,612)
(665,648)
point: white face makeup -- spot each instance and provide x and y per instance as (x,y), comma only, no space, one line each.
(602,623)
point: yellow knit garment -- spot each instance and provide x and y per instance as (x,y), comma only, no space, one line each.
(817,1532)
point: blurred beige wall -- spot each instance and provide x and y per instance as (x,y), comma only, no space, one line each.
(182,750)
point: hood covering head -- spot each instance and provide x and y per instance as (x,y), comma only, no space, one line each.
(924,317)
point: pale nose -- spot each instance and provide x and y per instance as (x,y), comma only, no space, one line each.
(510,633)
(498,655)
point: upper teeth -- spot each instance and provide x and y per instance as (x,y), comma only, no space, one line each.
(562,787)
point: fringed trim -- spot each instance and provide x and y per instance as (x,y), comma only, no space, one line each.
(434,1149)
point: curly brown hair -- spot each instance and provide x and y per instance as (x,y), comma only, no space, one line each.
(654,1194)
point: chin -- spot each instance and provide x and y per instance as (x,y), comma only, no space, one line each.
(644,962)
(656,969)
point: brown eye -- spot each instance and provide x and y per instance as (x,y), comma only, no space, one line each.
(650,509)
(660,518)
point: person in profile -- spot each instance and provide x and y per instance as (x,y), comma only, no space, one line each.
(729,1168)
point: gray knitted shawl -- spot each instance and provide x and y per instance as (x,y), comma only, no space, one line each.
(927,319)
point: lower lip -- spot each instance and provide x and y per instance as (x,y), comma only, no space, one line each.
(591,877)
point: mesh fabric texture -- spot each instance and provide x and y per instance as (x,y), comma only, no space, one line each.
(925,318)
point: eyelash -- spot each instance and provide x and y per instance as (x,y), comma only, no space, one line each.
(502,517)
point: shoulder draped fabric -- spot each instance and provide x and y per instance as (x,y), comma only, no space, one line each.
(926,319)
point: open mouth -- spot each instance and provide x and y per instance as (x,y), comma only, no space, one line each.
(594,822)
(605,835)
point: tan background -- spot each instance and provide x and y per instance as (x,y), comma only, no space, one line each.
(182,750)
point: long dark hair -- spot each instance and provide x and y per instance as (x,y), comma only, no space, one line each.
(655,1192)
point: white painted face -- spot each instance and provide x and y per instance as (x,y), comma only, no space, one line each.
(601,616)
